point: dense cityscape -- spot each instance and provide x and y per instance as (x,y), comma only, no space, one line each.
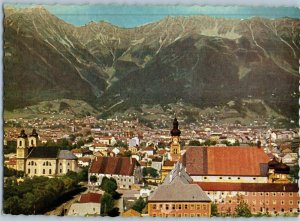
(122,167)
(151,110)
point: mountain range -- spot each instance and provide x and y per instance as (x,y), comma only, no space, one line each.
(201,60)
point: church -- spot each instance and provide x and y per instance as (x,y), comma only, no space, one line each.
(42,161)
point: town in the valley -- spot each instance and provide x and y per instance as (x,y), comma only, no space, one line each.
(118,167)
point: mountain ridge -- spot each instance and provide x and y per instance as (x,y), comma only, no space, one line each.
(203,60)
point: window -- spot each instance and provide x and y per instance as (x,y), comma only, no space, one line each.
(167,206)
(198,206)
(267,194)
(291,202)
(28,171)
(254,194)
(254,178)
(229,178)
(43,171)
(290,194)
(154,206)
(204,207)
(261,194)
(267,202)
(229,201)
(20,143)
(50,171)
(185,206)
(160,206)
(220,178)
(179,206)
(173,206)
(282,194)
(32,142)
(239,178)
(60,170)
(34,171)
(205,177)
(192,206)
(274,194)
(282,202)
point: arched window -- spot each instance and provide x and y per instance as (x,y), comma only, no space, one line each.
(20,143)
(32,142)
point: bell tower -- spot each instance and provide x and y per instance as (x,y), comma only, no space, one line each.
(22,150)
(33,139)
(175,139)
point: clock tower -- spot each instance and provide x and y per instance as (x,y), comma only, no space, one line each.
(175,133)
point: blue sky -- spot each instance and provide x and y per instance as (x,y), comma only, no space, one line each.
(135,15)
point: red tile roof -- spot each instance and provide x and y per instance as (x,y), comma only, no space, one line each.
(90,198)
(114,165)
(249,187)
(84,159)
(169,163)
(237,161)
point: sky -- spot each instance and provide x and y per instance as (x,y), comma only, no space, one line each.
(130,16)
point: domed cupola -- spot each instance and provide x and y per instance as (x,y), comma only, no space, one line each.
(22,134)
(175,131)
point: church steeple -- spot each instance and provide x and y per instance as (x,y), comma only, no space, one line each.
(175,131)
(175,145)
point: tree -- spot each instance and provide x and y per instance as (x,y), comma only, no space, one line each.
(294,172)
(107,204)
(242,209)
(139,205)
(127,153)
(93,179)
(214,209)
(90,139)
(150,171)
(83,174)
(109,185)
(194,143)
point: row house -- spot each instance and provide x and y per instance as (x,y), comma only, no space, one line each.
(272,198)
(125,170)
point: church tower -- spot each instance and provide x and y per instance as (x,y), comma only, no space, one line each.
(175,133)
(22,151)
(33,139)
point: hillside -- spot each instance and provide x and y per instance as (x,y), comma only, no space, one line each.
(202,60)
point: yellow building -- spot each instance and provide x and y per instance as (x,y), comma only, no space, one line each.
(179,197)
(167,166)
(42,161)
(175,148)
